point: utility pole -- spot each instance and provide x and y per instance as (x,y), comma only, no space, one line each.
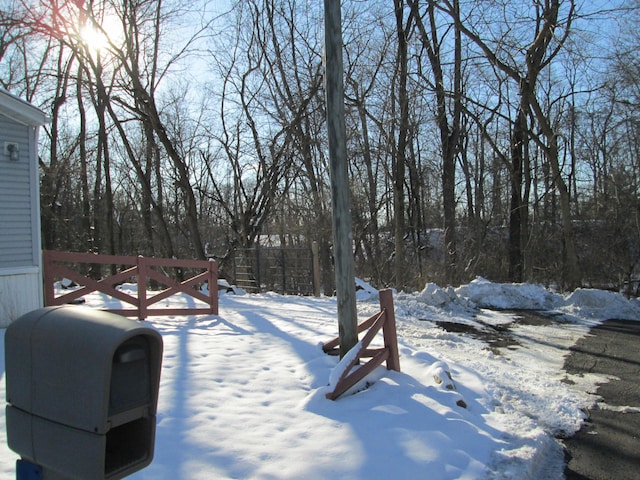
(340,200)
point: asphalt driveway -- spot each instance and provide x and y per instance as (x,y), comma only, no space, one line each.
(608,444)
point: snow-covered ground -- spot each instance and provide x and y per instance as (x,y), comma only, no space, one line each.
(242,394)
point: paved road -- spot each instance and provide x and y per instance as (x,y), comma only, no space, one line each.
(608,445)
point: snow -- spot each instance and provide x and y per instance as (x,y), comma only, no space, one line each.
(242,394)
(343,365)
(502,296)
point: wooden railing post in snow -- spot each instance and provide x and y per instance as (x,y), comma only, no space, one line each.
(142,287)
(49,276)
(389,330)
(213,286)
(385,320)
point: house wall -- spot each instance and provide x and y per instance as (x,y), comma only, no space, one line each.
(20,293)
(20,253)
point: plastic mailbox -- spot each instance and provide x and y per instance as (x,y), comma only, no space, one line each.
(82,392)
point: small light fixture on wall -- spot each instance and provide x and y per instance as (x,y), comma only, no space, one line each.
(12,150)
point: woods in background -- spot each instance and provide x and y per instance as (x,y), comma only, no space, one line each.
(496,138)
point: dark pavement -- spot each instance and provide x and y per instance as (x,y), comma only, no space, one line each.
(607,447)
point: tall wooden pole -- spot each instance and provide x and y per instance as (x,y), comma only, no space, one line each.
(341,203)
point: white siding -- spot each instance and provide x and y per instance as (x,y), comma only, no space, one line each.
(20,254)
(18,246)
(19,294)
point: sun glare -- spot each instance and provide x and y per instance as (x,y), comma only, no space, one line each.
(95,39)
(98,36)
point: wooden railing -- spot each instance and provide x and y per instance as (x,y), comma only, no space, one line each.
(384,320)
(141,270)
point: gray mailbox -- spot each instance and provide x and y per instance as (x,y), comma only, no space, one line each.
(82,391)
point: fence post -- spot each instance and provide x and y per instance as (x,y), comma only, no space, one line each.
(315,269)
(258,282)
(49,291)
(142,287)
(389,329)
(235,266)
(284,271)
(213,286)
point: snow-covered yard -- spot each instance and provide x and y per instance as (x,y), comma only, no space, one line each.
(242,394)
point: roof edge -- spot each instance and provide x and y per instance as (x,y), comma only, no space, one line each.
(21,110)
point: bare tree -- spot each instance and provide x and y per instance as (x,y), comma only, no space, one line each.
(140,58)
(140,160)
(263,112)
(400,156)
(450,126)
(549,34)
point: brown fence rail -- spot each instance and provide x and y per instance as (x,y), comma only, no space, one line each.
(385,320)
(59,265)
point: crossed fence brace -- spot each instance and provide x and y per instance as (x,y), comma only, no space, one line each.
(142,269)
(385,320)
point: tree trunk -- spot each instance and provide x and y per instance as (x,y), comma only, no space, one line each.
(518,145)
(571,269)
(85,201)
(450,130)
(401,148)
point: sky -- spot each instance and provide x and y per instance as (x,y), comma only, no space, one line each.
(242,394)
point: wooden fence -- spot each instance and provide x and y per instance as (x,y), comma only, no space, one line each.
(141,270)
(285,270)
(385,320)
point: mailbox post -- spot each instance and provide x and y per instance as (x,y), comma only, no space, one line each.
(82,391)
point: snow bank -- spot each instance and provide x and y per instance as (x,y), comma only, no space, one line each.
(364,291)
(437,296)
(503,296)
(602,305)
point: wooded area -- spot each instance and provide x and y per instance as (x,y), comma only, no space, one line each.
(496,138)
